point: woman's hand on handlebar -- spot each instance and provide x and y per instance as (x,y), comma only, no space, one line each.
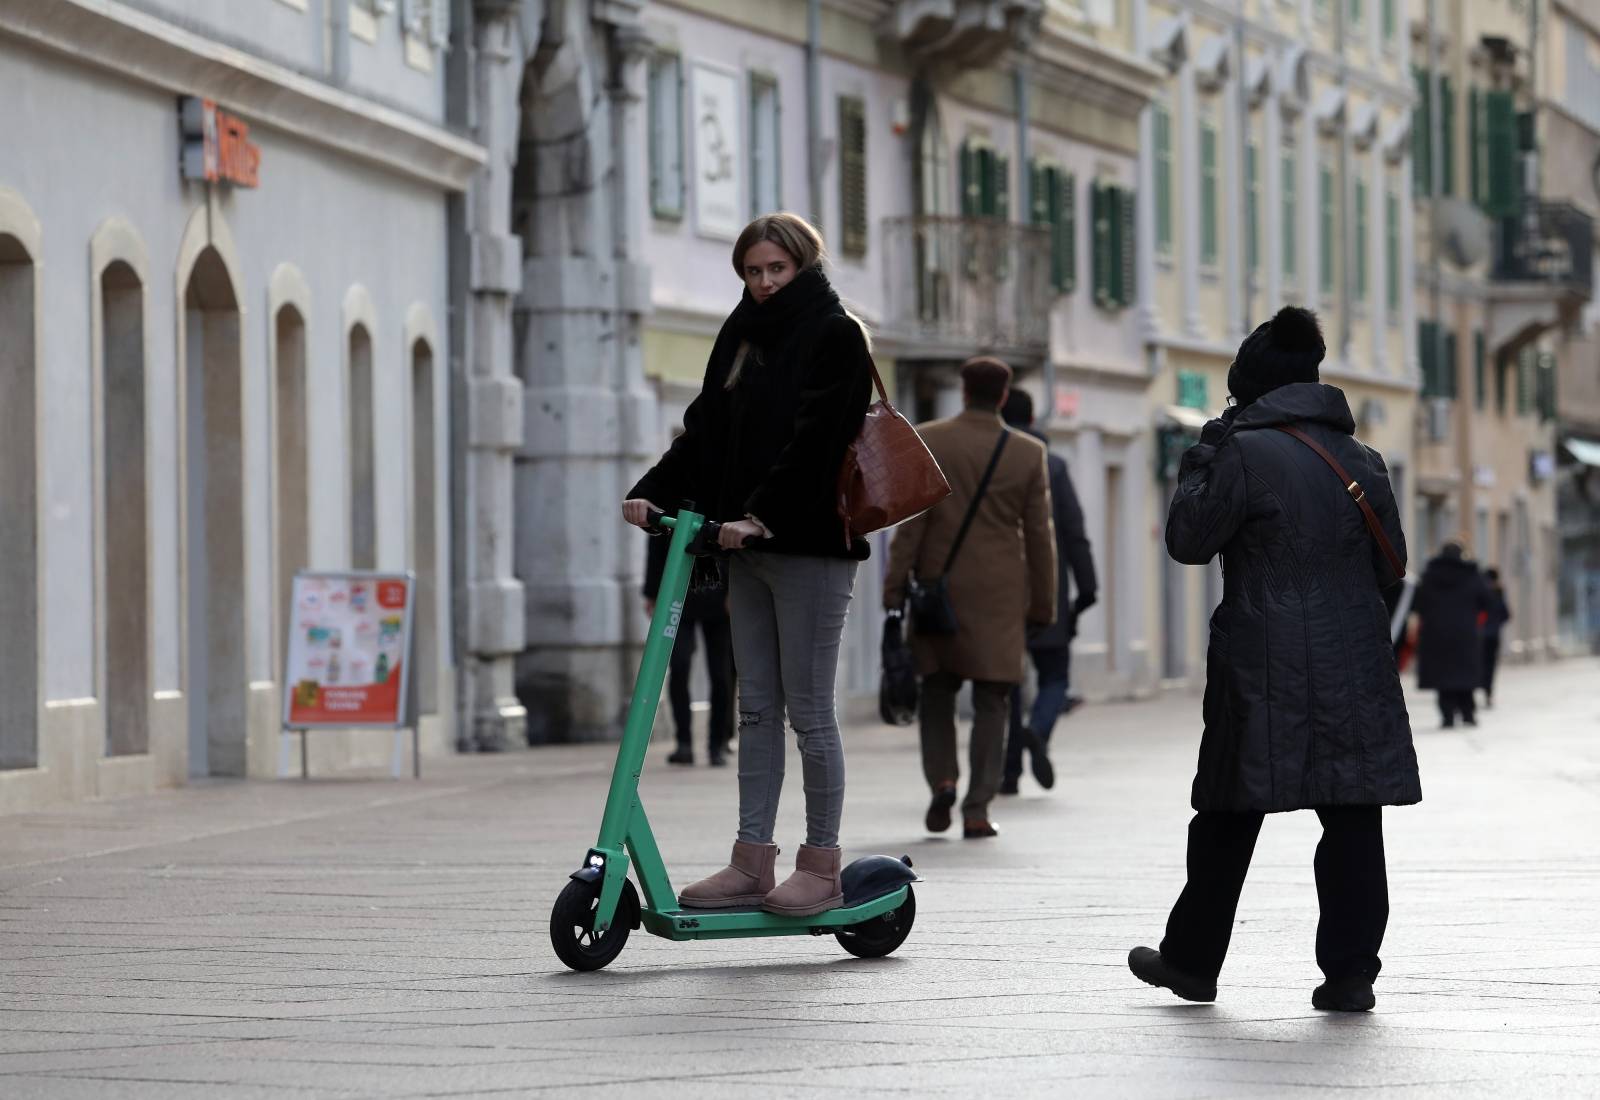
(637,512)
(736,533)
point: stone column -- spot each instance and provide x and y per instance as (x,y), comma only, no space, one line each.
(580,195)
(1188,123)
(492,395)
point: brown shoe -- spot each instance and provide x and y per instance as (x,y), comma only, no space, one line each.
(746,880)
(938,819)
(976,828)
(813,888)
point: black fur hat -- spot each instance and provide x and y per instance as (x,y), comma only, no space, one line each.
(1286,349)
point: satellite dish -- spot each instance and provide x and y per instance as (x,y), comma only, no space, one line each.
(1461,231)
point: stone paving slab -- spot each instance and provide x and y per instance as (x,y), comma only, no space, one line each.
(362,937)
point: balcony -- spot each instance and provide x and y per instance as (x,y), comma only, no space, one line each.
(963,33)
(963,286)
(1552,243)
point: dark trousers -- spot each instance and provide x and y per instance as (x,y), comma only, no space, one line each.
(1491,658)
(719,666)
(1054,667)
(1352,891)
(937,716)
(1453,703)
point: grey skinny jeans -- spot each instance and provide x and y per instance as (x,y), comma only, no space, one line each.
(788,616)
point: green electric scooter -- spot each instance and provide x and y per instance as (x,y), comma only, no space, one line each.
(596,910)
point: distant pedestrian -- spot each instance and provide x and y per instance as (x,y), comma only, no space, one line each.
(1049,647)
(984,559)
(1449,601)
(1495,619)
(1303,706)
(785,393)
(707,611)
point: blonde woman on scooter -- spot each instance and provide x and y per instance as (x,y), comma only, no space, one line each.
(785,392)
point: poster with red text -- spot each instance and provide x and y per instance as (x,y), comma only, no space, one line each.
(345,662)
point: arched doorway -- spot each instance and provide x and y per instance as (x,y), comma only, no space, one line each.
(214,511)
(363,490)
(293,549)
(124,527)
(424,532)
(19,545)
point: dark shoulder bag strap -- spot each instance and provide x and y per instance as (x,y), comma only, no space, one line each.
(977,498)
(1358,494)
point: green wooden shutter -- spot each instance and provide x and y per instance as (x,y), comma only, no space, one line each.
(1208,194)
(1360,257)
(1426,357)
(1525,368)
(1127,245)
(1355,12)
(1391,244)
(1039,180)
(1161,127)
(1547,386)
(969,180)
(852,176)
(1325,235)
(1448,368)
(1102,243)
(1500,124)
(1002,188)
(1067,230)
(1291,214)
(1501,366)
(1447,123)
(1388,20)
(1480,380)
(1476,161)
(1421,134)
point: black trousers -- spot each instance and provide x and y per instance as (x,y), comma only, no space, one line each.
(1352,891)
(719,666)
(1453,703)
(1491,658)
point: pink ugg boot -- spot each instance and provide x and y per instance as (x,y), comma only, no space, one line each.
(745,881)
(813,888)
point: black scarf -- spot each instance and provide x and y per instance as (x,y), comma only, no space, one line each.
(767,324)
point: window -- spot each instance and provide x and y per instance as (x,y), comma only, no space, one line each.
(1497,160)
(1161,132)
(765,165)
(666,135)
(426,20)
(1388,21)
(1391,250)
(1527,364)
(1436,352)
(1291,213)
(1545,386)
(1054,201)
(1355,13)
(852,176)
(985,182)
(1447,138)
(1252,208)
(1112,210)
(1208,194)
(1360,257)
(1422,137)
(1327,238)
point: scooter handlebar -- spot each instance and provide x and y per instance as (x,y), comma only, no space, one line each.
(709,541)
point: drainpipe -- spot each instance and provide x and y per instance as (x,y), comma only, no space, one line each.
(814,107)
(1246,128)
(1435,190)
(1346,272)
(1021,77)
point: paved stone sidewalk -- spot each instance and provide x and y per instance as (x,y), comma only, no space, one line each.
(360,937)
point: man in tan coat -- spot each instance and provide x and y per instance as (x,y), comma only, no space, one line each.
(1004,575)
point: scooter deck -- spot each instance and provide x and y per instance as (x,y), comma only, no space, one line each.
(716,924)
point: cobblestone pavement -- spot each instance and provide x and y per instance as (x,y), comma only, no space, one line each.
(369,937)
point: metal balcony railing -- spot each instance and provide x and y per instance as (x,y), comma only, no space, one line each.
(1549,242)
(962,285)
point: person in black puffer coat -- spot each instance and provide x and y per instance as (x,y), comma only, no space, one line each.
(1303,705)
(1449,601)
(785,394)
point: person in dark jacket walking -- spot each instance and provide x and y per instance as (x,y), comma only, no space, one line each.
(1303,705)
(1499,614)
(705,610)
(1449,644)
(785,394)
(1049,647)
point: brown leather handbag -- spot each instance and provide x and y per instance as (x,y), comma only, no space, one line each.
(888,475)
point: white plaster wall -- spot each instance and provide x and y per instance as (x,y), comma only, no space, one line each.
(339,221)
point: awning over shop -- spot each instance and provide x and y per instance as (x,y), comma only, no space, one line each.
(1185,417)
(1586,451)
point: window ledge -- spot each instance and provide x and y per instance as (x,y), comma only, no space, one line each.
(419,53)
(363,24)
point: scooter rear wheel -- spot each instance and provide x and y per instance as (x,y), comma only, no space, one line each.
(572,931)
(875,938)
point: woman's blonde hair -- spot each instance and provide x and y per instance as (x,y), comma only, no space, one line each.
(800,239)
(790,232)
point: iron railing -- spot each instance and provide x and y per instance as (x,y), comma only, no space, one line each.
(960,285)
(1549,242)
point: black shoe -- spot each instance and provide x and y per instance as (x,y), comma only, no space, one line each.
(1008,785)
(718,760)
(1448,725)
(681,756)
(1473,722)
(1149,967)
(977,828)
(1070,704)
(1344,995)
(1039,757)
(938,817)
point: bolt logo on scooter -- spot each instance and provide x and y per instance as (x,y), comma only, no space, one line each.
(596,910)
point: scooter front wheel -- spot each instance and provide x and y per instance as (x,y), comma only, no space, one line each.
(572,931)
(877,937)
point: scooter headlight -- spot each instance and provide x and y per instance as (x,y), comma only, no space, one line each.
(596,860)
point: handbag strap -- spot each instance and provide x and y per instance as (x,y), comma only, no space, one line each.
(877,380)
(1358,494)
(977,498)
